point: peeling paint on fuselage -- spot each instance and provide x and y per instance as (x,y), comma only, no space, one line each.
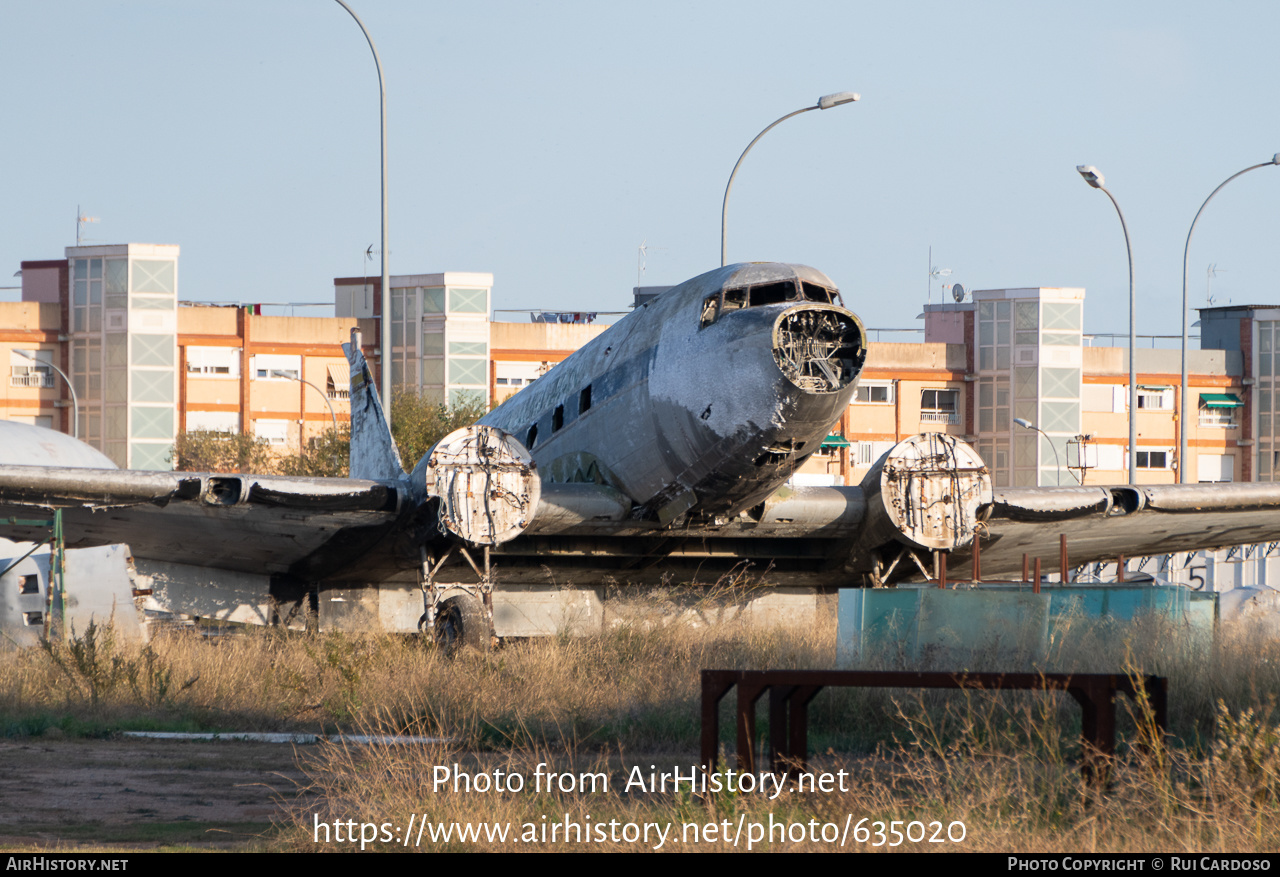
(676,409)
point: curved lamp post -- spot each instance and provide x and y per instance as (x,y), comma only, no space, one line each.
(323,395)
(1182,414)
(1027,424)
(385,321)
(825,102)
(1095,179)
(75,403)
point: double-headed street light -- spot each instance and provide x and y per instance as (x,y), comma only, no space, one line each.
(1095,179)
(1182,414)
(825,102)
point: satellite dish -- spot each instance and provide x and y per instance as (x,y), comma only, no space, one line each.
(957,292)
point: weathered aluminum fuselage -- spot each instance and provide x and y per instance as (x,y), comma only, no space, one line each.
(684,404)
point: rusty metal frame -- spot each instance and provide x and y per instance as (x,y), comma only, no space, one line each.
(433,592)
(791,691)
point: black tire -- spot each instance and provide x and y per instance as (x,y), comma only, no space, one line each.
(460,623)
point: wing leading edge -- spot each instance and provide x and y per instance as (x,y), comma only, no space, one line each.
(248,523)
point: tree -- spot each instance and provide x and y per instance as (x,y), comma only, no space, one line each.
(328,455)
(417,423)
(208,450)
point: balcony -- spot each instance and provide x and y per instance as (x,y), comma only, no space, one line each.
(1220,418)
(939,417)
(41,380)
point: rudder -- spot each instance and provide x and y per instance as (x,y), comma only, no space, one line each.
(374,456)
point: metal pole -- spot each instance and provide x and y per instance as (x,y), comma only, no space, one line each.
(385,320)
(1057,461)
(1094,179)
(75,402)
(1182,415)
(824,102)
(322,393)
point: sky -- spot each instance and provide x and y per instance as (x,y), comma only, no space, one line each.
(548,142)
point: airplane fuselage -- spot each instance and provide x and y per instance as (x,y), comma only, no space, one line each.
(701,401)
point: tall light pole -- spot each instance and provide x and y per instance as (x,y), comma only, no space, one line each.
(1095,179)
(825,102)
(1182,433)
(385,321)
(75,403)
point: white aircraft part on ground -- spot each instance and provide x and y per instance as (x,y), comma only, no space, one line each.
(97,584)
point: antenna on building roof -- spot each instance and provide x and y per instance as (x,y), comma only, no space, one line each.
(935,272)
(957,293)
(640,260)
(80,220)
(1209,273)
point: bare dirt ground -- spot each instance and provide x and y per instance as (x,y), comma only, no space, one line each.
(143,792)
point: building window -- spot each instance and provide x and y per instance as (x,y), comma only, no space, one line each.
(214,362)
(274,432)
(1154,459)
(871,393)
(832,444)
(1219,410)
(939,406)
(866,453)
(1155,398)
(337,383)
(213,421)
(275,367)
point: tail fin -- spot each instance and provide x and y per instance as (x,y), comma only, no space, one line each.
(373,452)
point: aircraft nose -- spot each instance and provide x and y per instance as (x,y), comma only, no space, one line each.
(819,348)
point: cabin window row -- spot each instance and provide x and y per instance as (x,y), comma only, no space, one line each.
(558,417)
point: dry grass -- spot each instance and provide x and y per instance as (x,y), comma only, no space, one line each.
(1008,796)
(1003,764)
(636,684)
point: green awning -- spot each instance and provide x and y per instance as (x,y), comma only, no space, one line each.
(1220,400)
(835,441)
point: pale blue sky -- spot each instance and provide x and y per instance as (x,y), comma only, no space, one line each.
(543,142)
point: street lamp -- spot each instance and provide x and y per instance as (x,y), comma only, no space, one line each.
(323,394)
(385,334)
(1095,179)
(1027,424)
(825,102)
(75,403)
(1182,433)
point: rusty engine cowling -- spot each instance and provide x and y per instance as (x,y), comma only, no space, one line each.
(924,494)
(487,484)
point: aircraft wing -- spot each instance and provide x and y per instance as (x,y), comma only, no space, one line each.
(930,493)
(249,523)
(1103,523)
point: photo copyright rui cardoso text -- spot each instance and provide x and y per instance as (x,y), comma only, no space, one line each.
(581,828)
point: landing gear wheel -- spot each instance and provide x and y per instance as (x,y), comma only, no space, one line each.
(460,623)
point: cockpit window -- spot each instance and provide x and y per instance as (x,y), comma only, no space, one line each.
(772,294)
(813,292)
(762,294)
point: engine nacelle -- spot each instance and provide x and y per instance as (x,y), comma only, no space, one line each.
(487,484)
(925,493)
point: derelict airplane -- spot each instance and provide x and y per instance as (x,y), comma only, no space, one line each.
(657,452)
